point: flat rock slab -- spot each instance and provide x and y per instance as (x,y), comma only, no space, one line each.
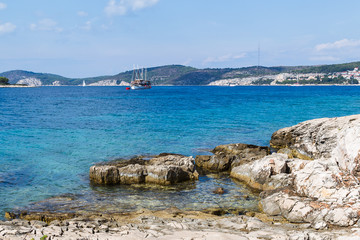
(164,169)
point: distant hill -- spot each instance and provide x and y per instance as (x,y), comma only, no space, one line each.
(46,78)
(329,68)
(180,75)
(164,75)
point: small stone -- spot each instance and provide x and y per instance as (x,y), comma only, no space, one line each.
(19,222)
(104,228)
(227,224)
(270,206)
(9,215)
(25,230)
(55,223)
(53,230)
(11,232)
(89,230)
(37,224)
(253,224)
(175,225)
(153,233)
(126,232)
(319,225)
(155,227)
(219,190)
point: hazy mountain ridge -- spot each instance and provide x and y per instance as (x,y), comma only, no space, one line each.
(179,74)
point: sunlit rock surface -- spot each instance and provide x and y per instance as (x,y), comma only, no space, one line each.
(162,170)
(324,191)
(31,82)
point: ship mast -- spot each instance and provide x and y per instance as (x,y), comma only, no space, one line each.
(258,65)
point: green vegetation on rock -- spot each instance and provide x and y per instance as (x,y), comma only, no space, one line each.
(4,81)
(328,68)
(263,82)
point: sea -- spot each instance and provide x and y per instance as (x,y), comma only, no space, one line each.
(50,136)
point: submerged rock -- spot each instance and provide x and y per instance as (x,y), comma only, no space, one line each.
(43,216)
(163,169)
(229,156)
(219,190)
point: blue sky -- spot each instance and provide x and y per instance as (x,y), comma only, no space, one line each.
(84,38)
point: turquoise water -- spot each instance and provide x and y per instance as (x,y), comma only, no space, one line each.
(50,136)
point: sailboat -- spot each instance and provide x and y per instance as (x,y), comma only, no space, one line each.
(138,80)
(84,84)
(297,84)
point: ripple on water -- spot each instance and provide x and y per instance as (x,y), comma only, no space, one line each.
(197,195)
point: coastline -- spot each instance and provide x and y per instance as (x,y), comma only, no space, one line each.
(264,85)
(169,224)
(14,86)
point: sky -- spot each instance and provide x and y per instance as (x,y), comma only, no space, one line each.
(85,38)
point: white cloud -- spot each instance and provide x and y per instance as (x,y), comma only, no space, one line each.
(46,24)
(2,5)
(139,4)
(82,13)
(123,6)
(87,26)
(344,43)
(7,28)
(224,58)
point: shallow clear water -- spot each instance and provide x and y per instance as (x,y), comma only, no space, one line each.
(50,136)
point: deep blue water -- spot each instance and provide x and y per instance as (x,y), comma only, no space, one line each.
(50,136)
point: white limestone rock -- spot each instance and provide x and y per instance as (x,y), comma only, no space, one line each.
(107,82)
(267,173)
(336,138)
(342,217)
(299,212)
(315,180)
(31,82)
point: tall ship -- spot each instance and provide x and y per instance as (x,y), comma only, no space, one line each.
(138,80)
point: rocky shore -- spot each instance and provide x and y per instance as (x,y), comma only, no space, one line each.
(169,224)
(309,187)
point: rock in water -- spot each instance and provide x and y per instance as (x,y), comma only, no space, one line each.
(219,190)
(163,170)
(229,156)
